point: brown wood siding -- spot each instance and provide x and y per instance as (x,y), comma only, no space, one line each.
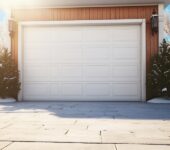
(52,14)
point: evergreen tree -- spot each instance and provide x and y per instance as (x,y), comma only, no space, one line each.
(159,77)
(9,75)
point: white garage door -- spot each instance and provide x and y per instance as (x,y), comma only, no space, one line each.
(83,63)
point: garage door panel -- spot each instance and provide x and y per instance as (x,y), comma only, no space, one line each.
(119,34)
(55,35)
(36,34)
(37,56)
(94,35)
(125,89)
(54,72)
(97,71)
(103,52)
(72,89)
(82,63)
(37,46)
(125,71)
(54,89)
(68,35)
(37,73)
(97,89)
(86,91)
(73,70)
(59,35)
(125,53)
(64,53)
(36,89)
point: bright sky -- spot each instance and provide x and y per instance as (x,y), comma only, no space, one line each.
(167,8)
(167,11)
(2,15)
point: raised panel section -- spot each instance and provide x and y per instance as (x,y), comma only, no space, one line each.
(97,52)
(54,71)
(72,71)
(94,35)
(36,34)
(97,89)
(36,54)
(36,73)
(72,89)
(125,53)
(63,53)
(54,89)
(119,34)
(125,89)
(66,35)
(36,89)
(125,71)
(97,71)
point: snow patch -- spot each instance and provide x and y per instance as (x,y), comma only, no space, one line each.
(7,100)
(160,100)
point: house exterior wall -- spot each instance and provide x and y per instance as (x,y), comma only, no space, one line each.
(100,13)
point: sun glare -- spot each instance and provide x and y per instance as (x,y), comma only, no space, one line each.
(17,3)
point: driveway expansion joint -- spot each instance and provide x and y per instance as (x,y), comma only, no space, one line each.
(7,145)
(115,147)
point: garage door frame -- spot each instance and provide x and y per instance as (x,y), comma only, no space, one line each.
(140,22)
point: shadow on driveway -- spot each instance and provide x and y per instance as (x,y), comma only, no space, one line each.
(115,110)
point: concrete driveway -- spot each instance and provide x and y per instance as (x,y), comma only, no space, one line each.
(84,125)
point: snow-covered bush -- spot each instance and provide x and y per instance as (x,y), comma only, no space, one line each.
(9,75)
(159,76)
